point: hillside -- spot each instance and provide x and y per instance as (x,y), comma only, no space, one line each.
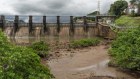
(93,13)
(128,21)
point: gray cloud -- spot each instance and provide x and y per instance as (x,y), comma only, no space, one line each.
(53,7)
(49,7)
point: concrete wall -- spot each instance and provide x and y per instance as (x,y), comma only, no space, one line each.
(106,32)
(51,36)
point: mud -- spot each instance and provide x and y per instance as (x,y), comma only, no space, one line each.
(86,63)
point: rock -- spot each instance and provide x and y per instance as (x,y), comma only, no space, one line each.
(68,49)
(57,52)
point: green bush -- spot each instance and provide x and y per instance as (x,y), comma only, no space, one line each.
(125,50)
(20,62)
(41,48)
(133,14)
(84,43)
(128,21)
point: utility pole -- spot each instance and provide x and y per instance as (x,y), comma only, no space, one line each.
(98,7)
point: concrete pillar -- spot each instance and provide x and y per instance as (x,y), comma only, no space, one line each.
(30,24)
(58,24)
(44,24)
(16,24)
(72,30)
(85,24)
(2,22)
(96,20)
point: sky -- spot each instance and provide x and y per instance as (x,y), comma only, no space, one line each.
(52,7)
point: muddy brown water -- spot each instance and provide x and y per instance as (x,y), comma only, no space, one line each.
(87,63)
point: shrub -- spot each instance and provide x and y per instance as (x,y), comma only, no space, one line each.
(128,21)
(41,48)
(133,14)
(84,43)
(125,50)
(20,62)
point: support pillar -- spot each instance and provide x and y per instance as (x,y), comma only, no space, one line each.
(58,24)
(16,24)
(30,24)
(72,30)
(2,22)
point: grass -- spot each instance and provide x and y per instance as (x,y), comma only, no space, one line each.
(84,43)
(128,21)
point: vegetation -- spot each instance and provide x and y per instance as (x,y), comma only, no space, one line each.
(125,50)
(41,48)
(90,19)
(128,21)
(118,7)
(133,14)
(84,43)
(93,13)
(20,62)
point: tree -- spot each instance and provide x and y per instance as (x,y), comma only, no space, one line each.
(118,7)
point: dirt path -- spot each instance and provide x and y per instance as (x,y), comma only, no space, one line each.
(83,64)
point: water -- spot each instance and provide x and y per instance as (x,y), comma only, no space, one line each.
(83,64)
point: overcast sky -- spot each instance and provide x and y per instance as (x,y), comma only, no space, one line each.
(52,7)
